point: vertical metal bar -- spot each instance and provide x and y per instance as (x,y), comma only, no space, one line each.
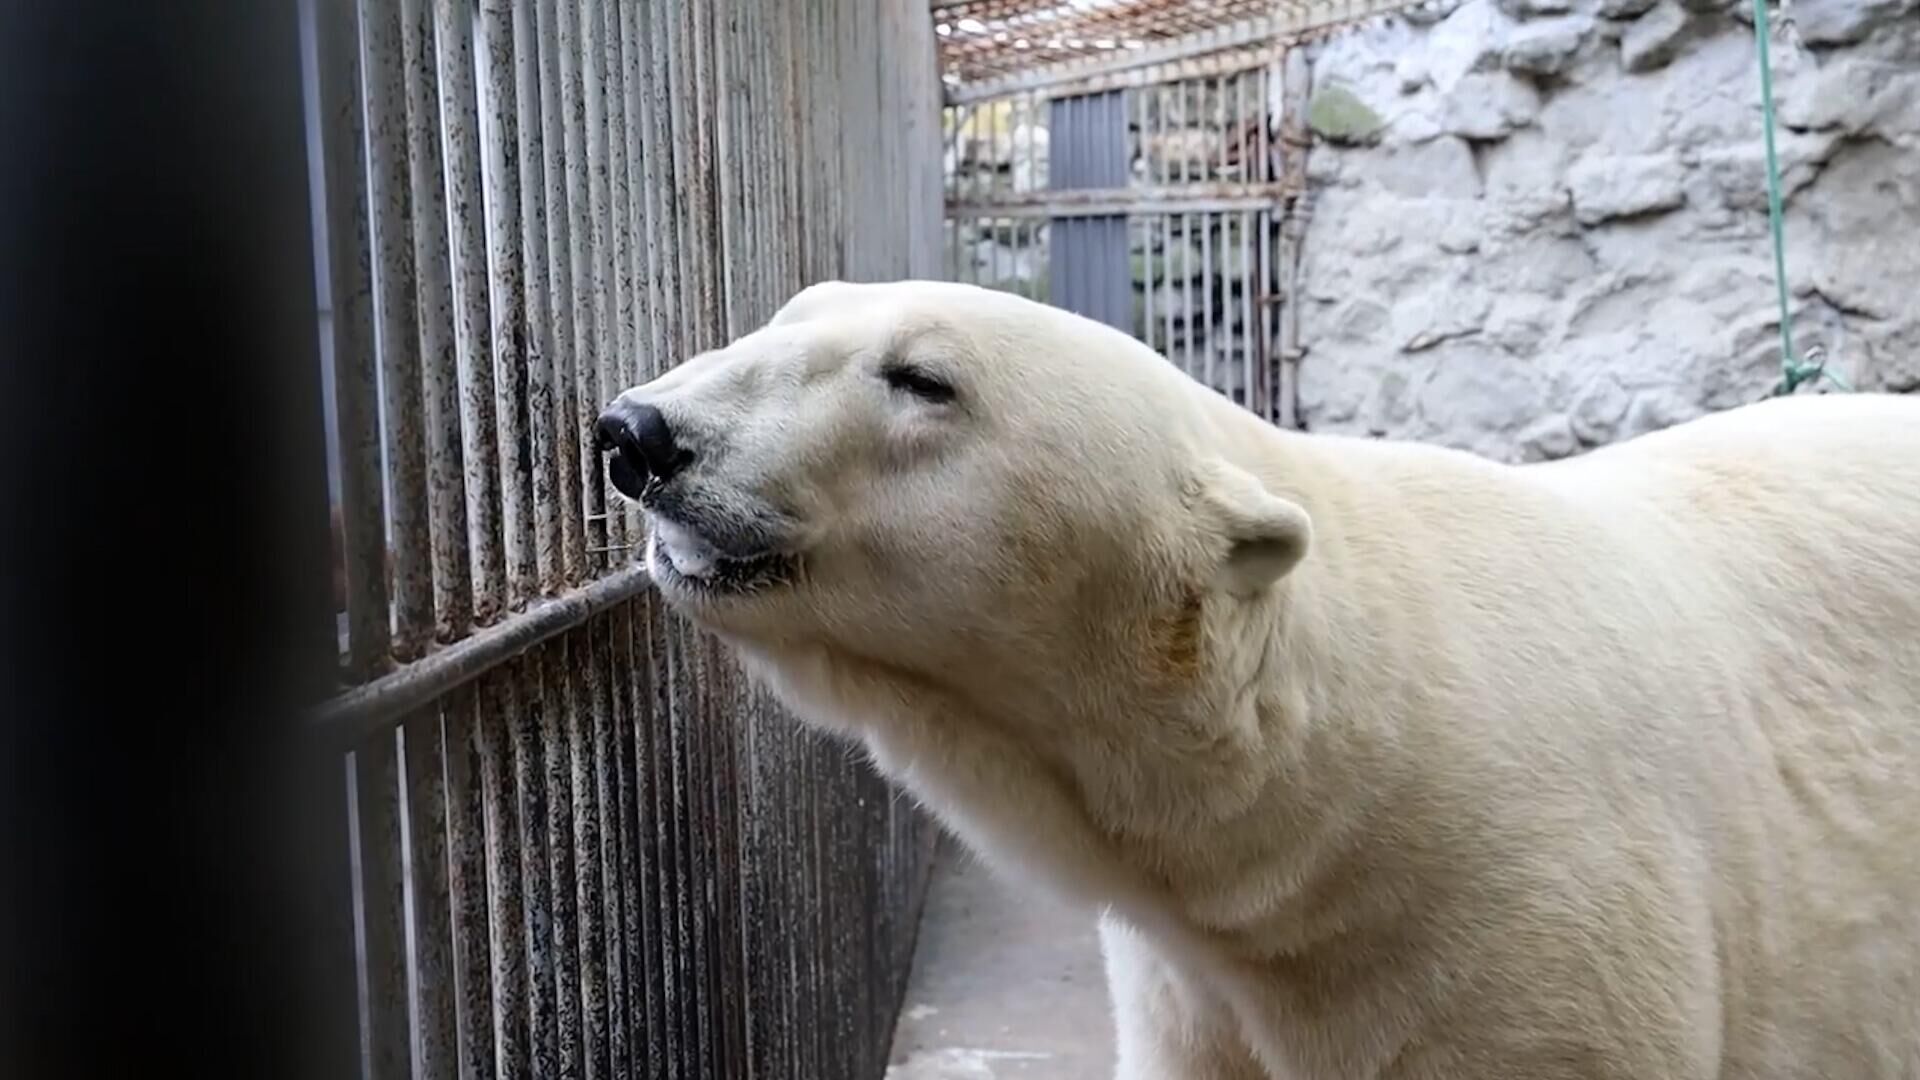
(623,223)
(626,676)
(674,59)
(439,355)
(459,110)
(500,143)
(606,879)
(506,920)
(1163,221)
(557,716)
(1187,111)
(709,293)
(643,125)
(645,692)
(354,360)
(543,468)
(584,288)
(1265,311)
(384,58)
(528,721)
(431,992)
(662,194)
(614,311)
(730,181)
(1215,133)
(949,185)
(467,881)
(379,904)
(1250,394)
(598,372)
(556,39)
(584,720)
(1145,102)
(662,647)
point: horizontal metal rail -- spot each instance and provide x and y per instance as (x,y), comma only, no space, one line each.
(364,710)
(1104,202)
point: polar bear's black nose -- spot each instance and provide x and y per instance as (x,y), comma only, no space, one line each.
(644,440)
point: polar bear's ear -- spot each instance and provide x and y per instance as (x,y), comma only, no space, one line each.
(1266,535)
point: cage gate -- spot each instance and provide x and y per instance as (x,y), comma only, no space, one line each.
(1155,203)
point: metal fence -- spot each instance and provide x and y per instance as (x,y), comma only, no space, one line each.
(581,844)
(1164,200)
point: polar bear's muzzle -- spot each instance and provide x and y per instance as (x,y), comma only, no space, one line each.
(702,539)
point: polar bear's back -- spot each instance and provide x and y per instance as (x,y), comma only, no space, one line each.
(1792,530)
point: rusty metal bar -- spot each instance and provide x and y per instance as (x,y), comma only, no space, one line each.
(499,114)
(611,883)
(467,884)
(582,379)
(459,112)
(439,354)
(584,718)
(663,187)
(384,56)
(600,374)
(355,362)
(555,38)
(429,928)
(527,722)
(365,709)
(629,219)
(629,902)
(543,466)
(506,919)
(644,132)
(560,704)
(376,844)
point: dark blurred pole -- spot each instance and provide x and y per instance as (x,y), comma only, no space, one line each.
(170,859)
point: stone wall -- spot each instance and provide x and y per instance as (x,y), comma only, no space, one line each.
(1540,225)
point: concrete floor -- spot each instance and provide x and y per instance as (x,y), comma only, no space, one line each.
(1005,984)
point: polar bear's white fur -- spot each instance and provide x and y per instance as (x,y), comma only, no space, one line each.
(1379,760)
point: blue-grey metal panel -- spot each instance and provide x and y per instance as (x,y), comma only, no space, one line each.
(1088,265)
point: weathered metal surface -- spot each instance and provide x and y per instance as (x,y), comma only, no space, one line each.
(507,943)
(560,296)
(439,356)
(473,332)
(371,706)
(501,157)
(356,392)
(376,843)
(391,195)
(581,844)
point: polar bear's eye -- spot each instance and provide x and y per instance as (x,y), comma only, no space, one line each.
(917,382)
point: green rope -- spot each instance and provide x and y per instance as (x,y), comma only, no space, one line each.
(1794,369)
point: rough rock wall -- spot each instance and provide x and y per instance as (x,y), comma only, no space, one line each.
(1540,225)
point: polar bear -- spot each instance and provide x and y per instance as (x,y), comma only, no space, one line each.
(1374,759)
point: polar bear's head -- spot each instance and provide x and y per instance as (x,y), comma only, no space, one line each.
(960,487)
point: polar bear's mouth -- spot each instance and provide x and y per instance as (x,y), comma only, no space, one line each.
(680,556)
